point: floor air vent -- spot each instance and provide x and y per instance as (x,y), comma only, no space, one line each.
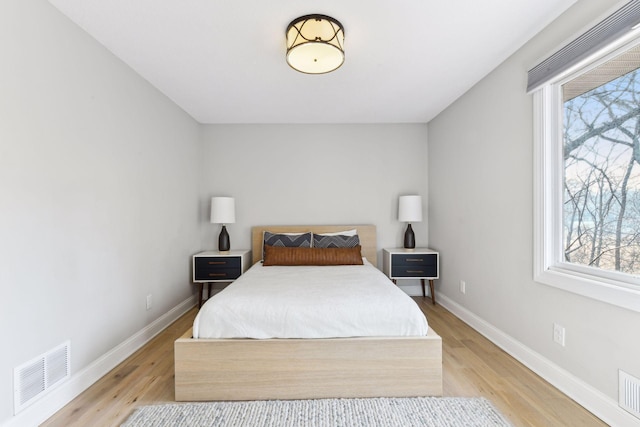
(33,379)
(629,393)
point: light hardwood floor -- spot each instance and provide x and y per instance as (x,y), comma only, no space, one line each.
(473,366)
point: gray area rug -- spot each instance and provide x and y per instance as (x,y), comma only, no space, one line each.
(387,412)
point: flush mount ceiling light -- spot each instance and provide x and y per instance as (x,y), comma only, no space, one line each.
(315,44)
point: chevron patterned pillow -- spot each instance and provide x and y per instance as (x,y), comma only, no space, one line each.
(302,240)
(335,241)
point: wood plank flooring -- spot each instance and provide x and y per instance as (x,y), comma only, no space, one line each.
(473,367)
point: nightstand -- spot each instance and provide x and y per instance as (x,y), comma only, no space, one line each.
(418,263)
(213,266)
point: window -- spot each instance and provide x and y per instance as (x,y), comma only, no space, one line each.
(587,183)
(601,156)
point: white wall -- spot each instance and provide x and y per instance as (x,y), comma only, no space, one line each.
(313,174)
(98,194)
(481,210)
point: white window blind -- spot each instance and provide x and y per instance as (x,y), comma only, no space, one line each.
(607,31)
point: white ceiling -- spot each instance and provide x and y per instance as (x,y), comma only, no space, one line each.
(224,61)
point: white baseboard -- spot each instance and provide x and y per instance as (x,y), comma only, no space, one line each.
(49,404)
(599,404)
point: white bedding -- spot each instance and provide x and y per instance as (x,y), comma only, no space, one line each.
(310,302)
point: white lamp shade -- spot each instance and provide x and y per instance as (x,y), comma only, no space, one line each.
(410,209)
(223,210)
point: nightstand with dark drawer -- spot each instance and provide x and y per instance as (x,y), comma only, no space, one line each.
(419,263)
(212,266)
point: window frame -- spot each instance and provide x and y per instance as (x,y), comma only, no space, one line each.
(615,288)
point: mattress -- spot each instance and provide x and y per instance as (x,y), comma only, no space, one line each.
(310,302)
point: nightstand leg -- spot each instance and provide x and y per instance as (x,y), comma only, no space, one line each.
(433,292)
(200,290)
(422,283)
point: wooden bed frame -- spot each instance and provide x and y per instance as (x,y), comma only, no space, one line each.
(248,369)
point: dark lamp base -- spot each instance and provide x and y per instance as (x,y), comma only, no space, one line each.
(409,238)
(223,240)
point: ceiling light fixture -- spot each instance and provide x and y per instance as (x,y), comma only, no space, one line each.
(315,44)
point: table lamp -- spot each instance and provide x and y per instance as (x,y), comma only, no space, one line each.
(410,210)
(223,211)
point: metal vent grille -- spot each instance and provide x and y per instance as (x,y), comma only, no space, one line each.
(39,375)
(629,393)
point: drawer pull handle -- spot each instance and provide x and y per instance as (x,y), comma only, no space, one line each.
(217,262)
(217,274)
(415,271)
(414,259)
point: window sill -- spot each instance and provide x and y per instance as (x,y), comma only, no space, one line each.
(591,287)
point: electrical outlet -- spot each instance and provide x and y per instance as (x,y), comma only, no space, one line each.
(558,334)
(463,286)
(149,302)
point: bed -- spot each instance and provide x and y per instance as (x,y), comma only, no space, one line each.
(305,368)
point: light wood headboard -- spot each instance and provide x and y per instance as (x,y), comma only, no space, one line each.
(366,233)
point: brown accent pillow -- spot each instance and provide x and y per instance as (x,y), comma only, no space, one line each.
(278,255)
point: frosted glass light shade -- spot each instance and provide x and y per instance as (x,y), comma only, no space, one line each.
(223,210)
(315,44)
(410,209)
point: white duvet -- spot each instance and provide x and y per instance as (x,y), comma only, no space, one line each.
(310,302)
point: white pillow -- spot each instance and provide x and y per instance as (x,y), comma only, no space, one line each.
(339,233)
(285,234)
